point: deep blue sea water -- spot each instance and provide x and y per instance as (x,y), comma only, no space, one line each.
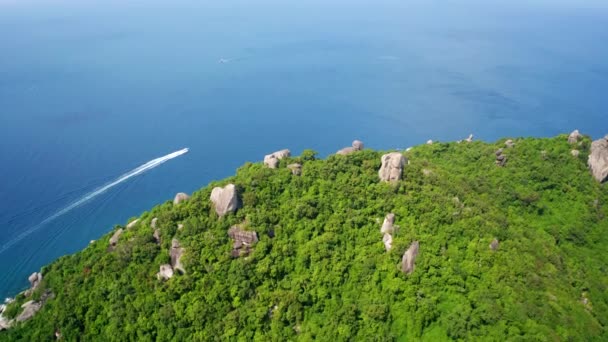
(92,89)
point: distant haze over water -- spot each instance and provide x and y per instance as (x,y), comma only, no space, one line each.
(91,90)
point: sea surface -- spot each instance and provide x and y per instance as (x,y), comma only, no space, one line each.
(90,90)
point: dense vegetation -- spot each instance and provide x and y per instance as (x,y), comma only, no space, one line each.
(324,274)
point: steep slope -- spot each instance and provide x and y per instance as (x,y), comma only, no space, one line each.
(508,249)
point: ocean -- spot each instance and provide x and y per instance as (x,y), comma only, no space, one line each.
(91,90)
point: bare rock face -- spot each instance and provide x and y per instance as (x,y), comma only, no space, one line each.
(501,159)
(356,146)
(176,254)
(296,169)
(115,237)
(180,197)
(574,137)
(392,167)
(166,272)
(29,310)
(153,223)
(387,225)
(509,143)
(225,199)
(35,279)
(494,244)
(272,160)
(409,258)
(132,223)
(575,153)
(598,159)
(243,241)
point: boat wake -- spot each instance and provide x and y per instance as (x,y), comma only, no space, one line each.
(84,199)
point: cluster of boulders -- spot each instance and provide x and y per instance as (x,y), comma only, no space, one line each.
(225,199)
(598,159)
(501,159)
(409,258)
(168,270)
(272,160)
(356,146)
(387,231)
(243,241)
(31,307)
(392,166)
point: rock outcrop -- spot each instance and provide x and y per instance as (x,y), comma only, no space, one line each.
(509,143)
(356,146)
(501,159)
(392,167)
(35,279)
(494,244)
(166,272)
(176,254)
(409,258)
(575,153)
(598,159)
(154,222)
(156,235)
(225,199)
(132,223)
(387,230)
(115,237)
(574,137)
(272,160)
(29,310)
(387,239)
(243,241)
(180,197)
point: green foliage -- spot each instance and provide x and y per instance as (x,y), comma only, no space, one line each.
(320,271)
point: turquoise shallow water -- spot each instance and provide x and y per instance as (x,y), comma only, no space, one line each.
(89,91)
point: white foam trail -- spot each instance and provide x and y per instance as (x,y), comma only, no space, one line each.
(137,171)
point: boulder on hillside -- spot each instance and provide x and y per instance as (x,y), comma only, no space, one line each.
(153,223)
(356,146)
(166,272)
(598,159)
(494,244)
(509,143)
(392,167)
(429,142)
(132,223)
(272,160)
(574,137)
(176,254)
(575,153)
(225,199)
(115,237)
(387,239)
(35,279)
(180,197)
(296,169)
(156,235)
(387,225)
(501,159)
(409,258)
(29,310)
(243,240)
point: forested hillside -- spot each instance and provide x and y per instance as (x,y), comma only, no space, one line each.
(512,248)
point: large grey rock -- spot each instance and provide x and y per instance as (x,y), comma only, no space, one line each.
(243,240)
(574,137)
(180,197)
(272,160)
(115,237)
(409,258)
(166,272)
(598,159)
(176,254)
(225,199)
(35,279)
(29,310)
(387,239)
(154,222)
(387,225)
(5,323)
(156,235)
(509,143)
(392,167)
(132,223)
(356,146)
